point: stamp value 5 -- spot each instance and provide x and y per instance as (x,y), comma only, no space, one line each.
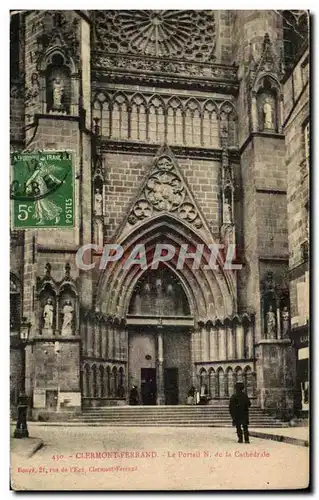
(42,190)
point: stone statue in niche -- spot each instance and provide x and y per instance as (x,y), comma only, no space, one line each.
(271,324)
(268,114)
(57,94)
(67,311)
(227,216)
(285,322)
(98,202)
(48,314)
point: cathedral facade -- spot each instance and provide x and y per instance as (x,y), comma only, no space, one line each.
(175,124)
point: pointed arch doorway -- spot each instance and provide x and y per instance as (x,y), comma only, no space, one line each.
(159,322)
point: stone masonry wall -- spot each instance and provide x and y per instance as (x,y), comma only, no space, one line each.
(296,115)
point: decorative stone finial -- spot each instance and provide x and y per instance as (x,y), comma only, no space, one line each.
(48,268)
(67,271)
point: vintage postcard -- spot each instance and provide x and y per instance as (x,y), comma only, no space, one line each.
(159,275)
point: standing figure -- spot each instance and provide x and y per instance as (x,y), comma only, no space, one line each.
(239,405)
(67,311)
(57,93)
(134,396)
(285,321)
(98,200)
(191,396)
(271,324)
(48,314)
(268,121)
(227,213)
(45,210)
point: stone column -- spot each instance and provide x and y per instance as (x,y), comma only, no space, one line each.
(160,399)
(250,341)
(97,337)
(240,341)
(205,344)
(196,345)
(111,342)
(222,342)
(278,324)
(89,338)
(213,344)
(117,343)
(104,340)
(254,114)
(230,343)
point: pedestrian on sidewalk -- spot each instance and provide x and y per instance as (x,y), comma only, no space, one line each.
(239,404)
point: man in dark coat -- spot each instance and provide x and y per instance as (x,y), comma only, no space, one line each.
(134,396)
(239,405)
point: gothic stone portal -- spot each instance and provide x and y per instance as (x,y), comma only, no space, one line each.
(159,344)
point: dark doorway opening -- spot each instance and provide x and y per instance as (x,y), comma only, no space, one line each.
(51,399)
(148,386)
(171,386)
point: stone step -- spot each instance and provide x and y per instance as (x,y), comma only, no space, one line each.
(171,416)
(144,409)
(179,424)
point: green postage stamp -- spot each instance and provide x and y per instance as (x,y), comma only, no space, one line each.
(42,190)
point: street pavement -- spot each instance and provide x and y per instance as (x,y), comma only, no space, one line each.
(151,458)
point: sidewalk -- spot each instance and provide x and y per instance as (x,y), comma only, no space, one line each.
(24,447)
(291,435)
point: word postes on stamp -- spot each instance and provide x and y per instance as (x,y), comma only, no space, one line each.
(42,190)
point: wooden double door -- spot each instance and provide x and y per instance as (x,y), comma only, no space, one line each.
(149,386)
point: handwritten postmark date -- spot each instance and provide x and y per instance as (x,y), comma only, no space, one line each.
(42,190)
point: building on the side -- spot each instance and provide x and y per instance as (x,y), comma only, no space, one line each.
(297,136)
(175,119)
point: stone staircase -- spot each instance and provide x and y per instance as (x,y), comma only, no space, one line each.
(171,416)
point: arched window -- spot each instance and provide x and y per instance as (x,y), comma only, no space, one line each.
(239,374)
(97,111)
(210,125)
(120,117)
(138,118)
(86,381)
(230,378)
(220,383)
(121,383)
(203,381)
(212,383)
(101,110)
(175,121)
(228,122)
(94,382)
(108,381)
(193,123)
(156,120)
(101,381)
(249,381)
(114,382)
